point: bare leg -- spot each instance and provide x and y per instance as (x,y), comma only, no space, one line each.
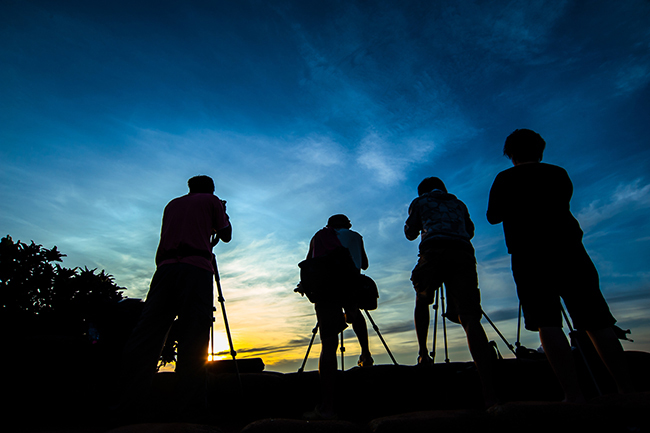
(421,319)
(611,352)
(327,372)
(558,353)
(479,347)
(361,330)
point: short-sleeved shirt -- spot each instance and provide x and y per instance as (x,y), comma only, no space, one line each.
(327,239)
(439,216)
(331,319)
(532,202)
(353,242)
(446,252)
(545,242)
(188,223)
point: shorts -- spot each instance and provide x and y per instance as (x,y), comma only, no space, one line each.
(543,278)
(331,320)
(456,269)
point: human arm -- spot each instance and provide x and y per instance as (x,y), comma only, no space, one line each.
(495,203)
(567,186)
(469,224)
(225,234)
(413,224)
(222,220)
(364,257)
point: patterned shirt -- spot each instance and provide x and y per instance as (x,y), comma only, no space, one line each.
(438,216)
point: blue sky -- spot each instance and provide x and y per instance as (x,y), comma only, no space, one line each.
(303,109)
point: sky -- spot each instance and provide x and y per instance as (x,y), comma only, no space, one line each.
(304,109)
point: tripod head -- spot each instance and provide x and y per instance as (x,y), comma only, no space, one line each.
(299,289)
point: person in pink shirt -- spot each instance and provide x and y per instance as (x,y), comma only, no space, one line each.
(181,290)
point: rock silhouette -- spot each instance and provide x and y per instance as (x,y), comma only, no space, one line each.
(72,391)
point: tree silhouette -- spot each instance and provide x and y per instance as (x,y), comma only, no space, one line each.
(40,296)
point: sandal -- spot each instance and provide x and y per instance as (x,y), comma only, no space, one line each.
(365,361)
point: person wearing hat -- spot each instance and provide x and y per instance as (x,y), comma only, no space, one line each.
(332,319)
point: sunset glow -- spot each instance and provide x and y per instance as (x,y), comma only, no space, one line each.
(304,109)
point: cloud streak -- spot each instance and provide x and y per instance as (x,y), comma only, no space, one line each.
(300,110)
(628,196)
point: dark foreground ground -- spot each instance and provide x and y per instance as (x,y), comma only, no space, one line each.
(71,394)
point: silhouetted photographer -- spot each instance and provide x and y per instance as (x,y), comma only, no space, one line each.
(181,288)
(447,257)
(550,262)
(331,276)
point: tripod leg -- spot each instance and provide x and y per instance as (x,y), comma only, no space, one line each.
(435,327)
(500,334)
(342,353)
(214,308)
(311,342)
(222,302)
(444,324)
(376,328)
(518,343)
(582,353)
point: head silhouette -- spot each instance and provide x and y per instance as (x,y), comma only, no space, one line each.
(429,184)
(201,184)
(524,145)
(339,221)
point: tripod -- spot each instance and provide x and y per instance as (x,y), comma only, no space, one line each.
(576,339)
(313,336)
(573,335)
(222,302)
(376,328)
(440,297)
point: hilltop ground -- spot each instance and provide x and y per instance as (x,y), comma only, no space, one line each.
(71,394)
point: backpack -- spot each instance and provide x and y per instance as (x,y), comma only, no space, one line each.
(334,278)
(366,293)
(328,278)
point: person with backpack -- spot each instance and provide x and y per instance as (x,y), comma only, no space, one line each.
(335,306)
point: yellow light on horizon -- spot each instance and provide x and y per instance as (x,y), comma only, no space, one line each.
(220,345)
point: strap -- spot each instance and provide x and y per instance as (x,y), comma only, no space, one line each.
(183,250)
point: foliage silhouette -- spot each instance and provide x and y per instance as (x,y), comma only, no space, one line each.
(41,296)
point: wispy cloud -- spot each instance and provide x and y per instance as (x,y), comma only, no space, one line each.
(306,109)
(319,151)
(633,76)
(520,33)
(630,195)
(387,167)
(390,161)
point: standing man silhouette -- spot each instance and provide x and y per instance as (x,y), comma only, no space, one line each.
(447,256)
(550,262)
(182,288)
(331,319)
